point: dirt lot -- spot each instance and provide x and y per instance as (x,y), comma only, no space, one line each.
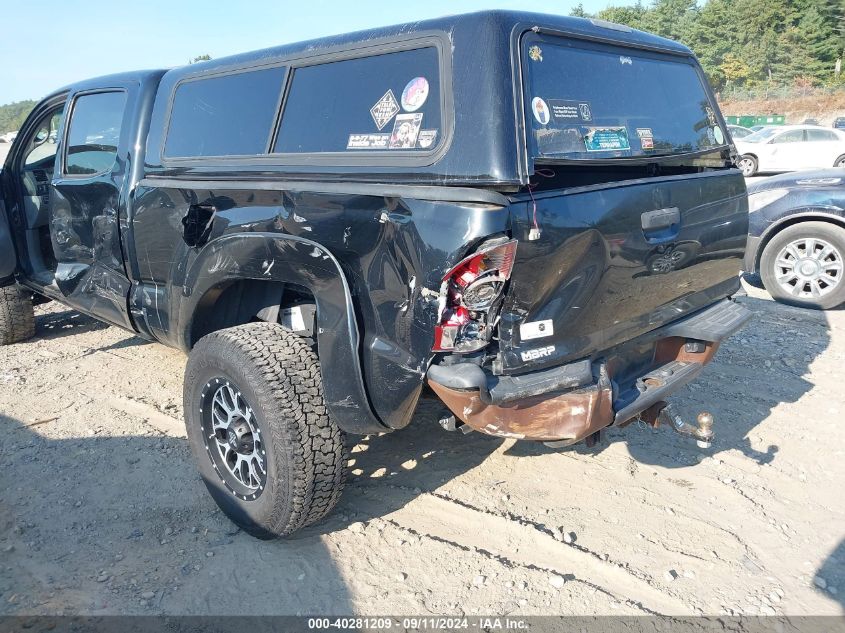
(102,512)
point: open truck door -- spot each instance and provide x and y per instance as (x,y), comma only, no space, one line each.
(8,260)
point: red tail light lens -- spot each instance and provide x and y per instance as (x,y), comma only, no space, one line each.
(470,296)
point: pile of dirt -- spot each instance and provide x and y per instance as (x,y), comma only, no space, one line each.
(823,108)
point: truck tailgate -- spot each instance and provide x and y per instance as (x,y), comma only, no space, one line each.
(615,261)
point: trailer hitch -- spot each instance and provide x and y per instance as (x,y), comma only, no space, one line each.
(663,412)
(703,433)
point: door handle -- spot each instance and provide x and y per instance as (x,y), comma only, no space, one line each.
(660,218)
(661,225)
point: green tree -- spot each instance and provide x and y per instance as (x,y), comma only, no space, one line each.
(578,11)
(631,16)
(12,115)
(200,58)
(671,18)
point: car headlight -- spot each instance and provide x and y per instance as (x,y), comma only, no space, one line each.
(757,201)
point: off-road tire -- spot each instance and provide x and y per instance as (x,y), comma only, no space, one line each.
(279,377)
(17,318)
(831,233)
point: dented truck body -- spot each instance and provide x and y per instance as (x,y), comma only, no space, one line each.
(430,213)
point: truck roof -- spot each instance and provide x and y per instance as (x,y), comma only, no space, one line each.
(502,20)
(139,76)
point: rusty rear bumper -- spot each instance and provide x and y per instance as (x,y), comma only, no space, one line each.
(572,402)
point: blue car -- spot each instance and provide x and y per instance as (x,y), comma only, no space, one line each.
(797,236)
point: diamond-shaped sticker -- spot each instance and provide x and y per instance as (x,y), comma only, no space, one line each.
(384,109)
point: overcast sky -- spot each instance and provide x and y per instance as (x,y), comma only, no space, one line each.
(47,44)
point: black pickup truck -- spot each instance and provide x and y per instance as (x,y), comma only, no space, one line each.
(545,231)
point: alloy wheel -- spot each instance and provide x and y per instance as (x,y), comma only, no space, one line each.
(233,439)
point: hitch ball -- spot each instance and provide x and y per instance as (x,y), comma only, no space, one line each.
(704,437)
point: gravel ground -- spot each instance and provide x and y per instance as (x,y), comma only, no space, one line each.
(102,512)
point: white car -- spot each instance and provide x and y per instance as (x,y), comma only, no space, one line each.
(791,148)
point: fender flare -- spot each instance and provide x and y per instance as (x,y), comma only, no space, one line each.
(292,259)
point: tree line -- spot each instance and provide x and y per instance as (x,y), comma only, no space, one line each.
(13,114)
(748,43)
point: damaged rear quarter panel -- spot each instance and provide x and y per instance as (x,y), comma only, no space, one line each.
(391,250)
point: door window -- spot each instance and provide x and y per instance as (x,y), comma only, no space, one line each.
(92,140)
(821,135)
(41,148)
(793,136)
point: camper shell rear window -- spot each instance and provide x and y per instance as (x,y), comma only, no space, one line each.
(588,100)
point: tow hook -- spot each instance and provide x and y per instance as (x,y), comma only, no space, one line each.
(703,433)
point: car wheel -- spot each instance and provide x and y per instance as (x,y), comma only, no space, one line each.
(804,265)
(259,429)
(17,318)
(674,259)
(839,162)
(748,165)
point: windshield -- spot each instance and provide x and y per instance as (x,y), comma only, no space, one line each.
(761,135)
(588,101)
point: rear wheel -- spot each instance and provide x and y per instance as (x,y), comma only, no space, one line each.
(839,162)
(258,426)
(17,318)
(804,265)
(748,165)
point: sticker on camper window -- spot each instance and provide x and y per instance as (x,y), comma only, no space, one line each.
(718,134)
(384,109)
(646,137)
(711,116)
(405,131)
(569,111)
(368,141)
(426,138)
(540,110)
(603,139)
(711,136)
(535,53)
(415,94)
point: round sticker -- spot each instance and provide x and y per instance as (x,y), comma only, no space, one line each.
(540,110)
(717,134)
(415,94)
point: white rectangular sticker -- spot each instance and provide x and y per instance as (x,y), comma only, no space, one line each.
(536,329)
(292,319)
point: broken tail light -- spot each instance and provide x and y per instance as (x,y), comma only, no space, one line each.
(470,298)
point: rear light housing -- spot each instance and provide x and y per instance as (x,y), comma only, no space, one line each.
(470,298)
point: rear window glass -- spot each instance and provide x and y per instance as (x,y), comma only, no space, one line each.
(227,115)
(387,102)
(586,101)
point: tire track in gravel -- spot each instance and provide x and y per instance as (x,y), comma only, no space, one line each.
(522,544)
